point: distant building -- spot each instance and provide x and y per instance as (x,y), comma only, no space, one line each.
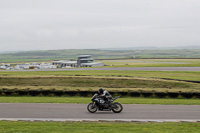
(22,66)
(35,66)
(69,64)
(4,66)
(82,61)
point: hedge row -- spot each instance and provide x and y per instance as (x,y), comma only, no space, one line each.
(90,93)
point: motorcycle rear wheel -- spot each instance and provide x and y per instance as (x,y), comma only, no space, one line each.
(91,108)
(117,107)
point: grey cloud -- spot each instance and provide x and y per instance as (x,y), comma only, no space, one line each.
(61,24)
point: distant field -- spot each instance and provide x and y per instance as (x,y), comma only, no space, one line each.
(152,63)
(49,55)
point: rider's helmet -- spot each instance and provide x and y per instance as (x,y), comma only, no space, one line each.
(101,90)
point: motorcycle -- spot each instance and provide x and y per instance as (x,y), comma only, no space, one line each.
(98,103)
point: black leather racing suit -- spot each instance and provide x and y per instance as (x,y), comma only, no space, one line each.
(107,97)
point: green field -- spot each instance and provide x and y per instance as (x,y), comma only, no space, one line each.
(67,54)
(108,82)
(86,100)
(152,63)
(181,75)
(91,127)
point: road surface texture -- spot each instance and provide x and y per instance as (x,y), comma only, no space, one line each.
(50,111)
(123,68)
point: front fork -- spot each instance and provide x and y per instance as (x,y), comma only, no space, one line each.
(113,106)
(93,105)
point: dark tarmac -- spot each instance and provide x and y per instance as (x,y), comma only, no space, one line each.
(79,111)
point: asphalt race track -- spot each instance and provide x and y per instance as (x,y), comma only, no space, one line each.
(122,68)
(78,111)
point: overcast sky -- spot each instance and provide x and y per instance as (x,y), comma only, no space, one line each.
(86,24)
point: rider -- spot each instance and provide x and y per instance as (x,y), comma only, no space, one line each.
(105,94)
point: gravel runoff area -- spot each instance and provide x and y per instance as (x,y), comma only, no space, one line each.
(123,68)
(78,112)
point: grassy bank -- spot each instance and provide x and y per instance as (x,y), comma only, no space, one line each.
(86,127)
(95,89)
(124,81)
(109,82)
(125,100)
(125,86)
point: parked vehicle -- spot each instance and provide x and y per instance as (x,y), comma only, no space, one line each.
(98,103)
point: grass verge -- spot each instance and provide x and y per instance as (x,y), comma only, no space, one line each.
(90,127)
(127,100)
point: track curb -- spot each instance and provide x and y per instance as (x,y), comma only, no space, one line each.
(99,120)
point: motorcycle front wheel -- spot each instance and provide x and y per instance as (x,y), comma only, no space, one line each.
(117,107)
(91,108)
